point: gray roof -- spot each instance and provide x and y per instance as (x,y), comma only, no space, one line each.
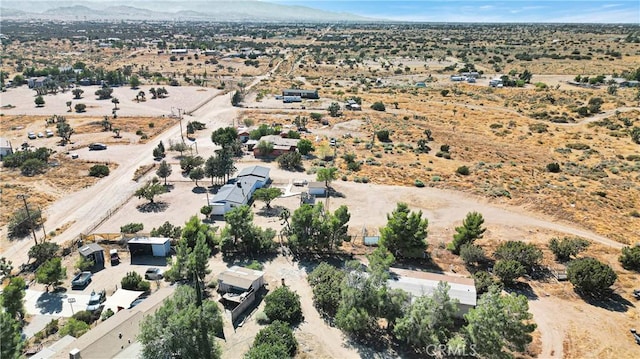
(280,141)
(317,185)
(258,171)
(5,143)
(421,283)
(240,277)
(234,194)
(148,240)
(300,91)
(89,249)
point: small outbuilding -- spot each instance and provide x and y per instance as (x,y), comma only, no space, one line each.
(94,253)
(317,189)
(239,279)
(146,246)
(5,147)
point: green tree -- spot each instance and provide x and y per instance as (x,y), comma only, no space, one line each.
(566,247)
(267,195)
(131,228)
(305,147)
(6,267)
(115,102)
(134,82)
(77,93)
(379,262)
(22,222)
(283,304)
(64,129)
(267,351)
(42,252)
(594,104)
(237,98)
(590,276)
(314,228)
(32,167)
(11,342)
(429,321)
(334,109)
(499,325)
(241,235)
(51,272)
(405,233)
(164,171)
(104,93)
(290,161)
(196,174)
(508,270)
(12,298)
(167,230)
(39,101)
(188,163)
(326,280)
(264,148)
(630,258)
(69,105)
(194,229)
(277,334)
(527,254)
(327,175)
(150,190)
(182,329)
(470,231)
(359,304)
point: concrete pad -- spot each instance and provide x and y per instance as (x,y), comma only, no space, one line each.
(54,304)
(37,323)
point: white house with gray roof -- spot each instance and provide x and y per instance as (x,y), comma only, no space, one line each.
(239,193)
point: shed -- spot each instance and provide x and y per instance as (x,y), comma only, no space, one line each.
(5,147)
(317,188)
(310,94)
(93,252)
(156,246)
(240,279)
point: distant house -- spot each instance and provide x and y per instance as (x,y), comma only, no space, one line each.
(179,51)
(37,82)
(472,74)
(147,246)
(291,99)
(238,286)
(309,94)
(5,147)
(243,135)
(239,193)
(94,253)
(419,284)
(280,145)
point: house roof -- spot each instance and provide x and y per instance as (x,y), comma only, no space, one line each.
(50,351)
(317,185)
(421,283)
(300,91)
(280,141)
(258,171)
(90,249)
(237,194)
(148,240)
(240,277)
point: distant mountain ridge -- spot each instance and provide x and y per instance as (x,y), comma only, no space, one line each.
(223,10)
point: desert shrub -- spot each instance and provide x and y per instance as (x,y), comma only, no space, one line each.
(553,167)
(483,281)
(133,281)
(463,170)
(566,248)
(378,106)
(99,171)
(290,161)
(276,334)
(86,316)
(578,146)
(131,228)
(107,314)
(471,253)
(52,327)
(590,276)
(630,258)
(262,318)
(74,327)
(167,230)
(526,254)
(383,135)
(32,167)
(418,183)
(538,127)
(255,265)
(84,264)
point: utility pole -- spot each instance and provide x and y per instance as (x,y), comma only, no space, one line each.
(180,119)
(26,207)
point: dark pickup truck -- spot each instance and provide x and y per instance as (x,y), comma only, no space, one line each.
(81,280)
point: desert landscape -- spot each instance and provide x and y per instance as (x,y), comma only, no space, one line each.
(537,128)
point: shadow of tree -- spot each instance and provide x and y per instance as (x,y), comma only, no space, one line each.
(274,211)
(523,289)
(610,301)
(50,303)
(199,189)
(153,207)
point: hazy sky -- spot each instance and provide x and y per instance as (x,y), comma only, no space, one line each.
(573,11)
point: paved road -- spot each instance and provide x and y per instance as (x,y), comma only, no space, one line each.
(54,304)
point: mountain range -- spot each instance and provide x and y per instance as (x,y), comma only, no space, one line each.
(218,10)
